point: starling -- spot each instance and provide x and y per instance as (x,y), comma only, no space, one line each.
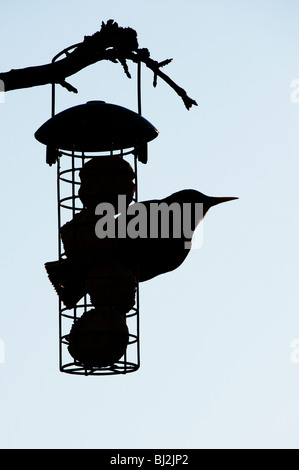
(155,242)
(154,252)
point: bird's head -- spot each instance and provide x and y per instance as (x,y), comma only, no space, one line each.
(211,201)
(194,197)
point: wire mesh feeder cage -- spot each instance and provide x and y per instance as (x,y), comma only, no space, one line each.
(97,147)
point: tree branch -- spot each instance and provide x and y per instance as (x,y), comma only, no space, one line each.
(112,43)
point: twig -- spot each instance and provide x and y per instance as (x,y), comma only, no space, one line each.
(112,43)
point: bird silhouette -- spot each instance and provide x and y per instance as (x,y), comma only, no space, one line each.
(151,256)
(158,239)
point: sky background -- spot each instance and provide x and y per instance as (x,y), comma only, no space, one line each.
(219,360)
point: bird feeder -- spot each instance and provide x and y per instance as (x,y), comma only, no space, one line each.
(97,147)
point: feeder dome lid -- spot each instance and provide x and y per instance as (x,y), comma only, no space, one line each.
(96,127)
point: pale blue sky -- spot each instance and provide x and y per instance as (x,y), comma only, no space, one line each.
(216,334)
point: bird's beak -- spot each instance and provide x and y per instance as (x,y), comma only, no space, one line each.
(218,200)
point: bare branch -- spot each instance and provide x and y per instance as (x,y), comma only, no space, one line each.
(68,86)
(112,43)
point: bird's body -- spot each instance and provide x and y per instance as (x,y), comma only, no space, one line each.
(158,236)
(164,252)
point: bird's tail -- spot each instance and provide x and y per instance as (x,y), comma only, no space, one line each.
(67,281)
